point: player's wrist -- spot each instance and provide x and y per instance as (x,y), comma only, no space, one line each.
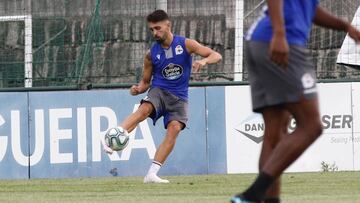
(342,25)
(205,61)
(347,26)
(279,32)
(142,89)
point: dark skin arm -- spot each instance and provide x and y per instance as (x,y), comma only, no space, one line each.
(279,47)
(324,19)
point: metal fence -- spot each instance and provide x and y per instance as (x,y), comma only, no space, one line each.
(102,42)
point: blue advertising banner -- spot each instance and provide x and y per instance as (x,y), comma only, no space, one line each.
(216,134)
(14,137)
(66,128)
(58,135)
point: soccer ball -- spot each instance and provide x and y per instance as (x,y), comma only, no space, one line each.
(117,138)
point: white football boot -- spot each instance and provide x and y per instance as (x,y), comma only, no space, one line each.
(153,178)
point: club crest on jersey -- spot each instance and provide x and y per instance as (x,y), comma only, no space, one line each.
(172,71)
(158,56)
(179,50)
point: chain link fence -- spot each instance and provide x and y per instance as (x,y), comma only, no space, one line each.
(64,42)
(324,44)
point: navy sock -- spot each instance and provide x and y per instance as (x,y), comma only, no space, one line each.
(256,192)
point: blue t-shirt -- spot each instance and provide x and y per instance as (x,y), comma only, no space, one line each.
(298,16)
(172,67)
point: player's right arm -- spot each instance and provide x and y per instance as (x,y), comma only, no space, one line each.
(279,47)
(325,19)
(144,84)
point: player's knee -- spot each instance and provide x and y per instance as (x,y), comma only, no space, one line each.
(317,129)
(143,114)
(270,142)
(273,136)
(145,110)
(314,129)
(174,126)
(173,129)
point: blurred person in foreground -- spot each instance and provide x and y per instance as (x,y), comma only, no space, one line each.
(283,85)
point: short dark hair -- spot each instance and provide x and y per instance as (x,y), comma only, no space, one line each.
(157,16)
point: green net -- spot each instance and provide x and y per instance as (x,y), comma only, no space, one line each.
(12,54)
(93,39)
(324,44)
(63,52)
(99,42)
(104,41)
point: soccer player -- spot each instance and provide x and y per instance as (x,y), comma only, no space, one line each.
(283,85)
(166,73)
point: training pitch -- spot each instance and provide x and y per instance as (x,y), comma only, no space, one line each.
(326,187)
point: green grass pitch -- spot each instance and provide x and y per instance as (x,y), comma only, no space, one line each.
(329,187)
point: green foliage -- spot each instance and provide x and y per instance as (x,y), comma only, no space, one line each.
(326,167)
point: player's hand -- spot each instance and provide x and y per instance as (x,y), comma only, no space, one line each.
(197,65)
(354,34)
(279,50)
(134,90)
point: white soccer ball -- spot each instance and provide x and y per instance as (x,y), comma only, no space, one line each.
(116,138)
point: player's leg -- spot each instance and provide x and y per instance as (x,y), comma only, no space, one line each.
(308,129)
(164,149)
(144,111)
(151,106)
(173,129)
(175,119)
(276,121)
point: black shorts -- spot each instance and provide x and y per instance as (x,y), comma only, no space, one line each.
(273,85)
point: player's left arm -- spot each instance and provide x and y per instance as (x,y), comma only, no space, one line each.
(325,19)
(210,56)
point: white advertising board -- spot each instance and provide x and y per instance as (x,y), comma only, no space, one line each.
(356,115)
(336,147)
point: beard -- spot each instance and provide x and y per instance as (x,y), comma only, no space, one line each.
(159,40)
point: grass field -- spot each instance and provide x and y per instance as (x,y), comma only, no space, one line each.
(327,187)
